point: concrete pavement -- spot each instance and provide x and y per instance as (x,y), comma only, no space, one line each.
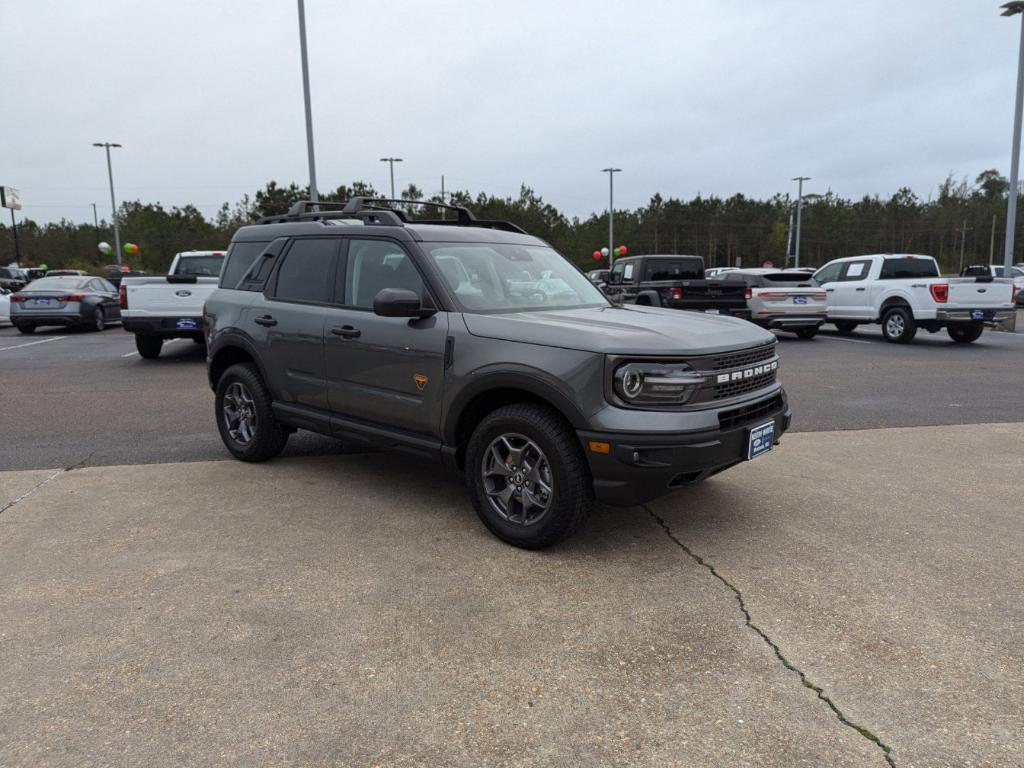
(350,610)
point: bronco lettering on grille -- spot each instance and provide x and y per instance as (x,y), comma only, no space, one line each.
(746,373)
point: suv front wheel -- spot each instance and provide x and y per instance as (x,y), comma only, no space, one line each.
(528,477)
(245,417)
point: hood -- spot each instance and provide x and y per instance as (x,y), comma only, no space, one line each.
(630,330)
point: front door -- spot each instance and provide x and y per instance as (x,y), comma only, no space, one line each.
(384,370)
(852,298)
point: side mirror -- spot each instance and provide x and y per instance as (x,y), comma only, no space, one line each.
(398,302)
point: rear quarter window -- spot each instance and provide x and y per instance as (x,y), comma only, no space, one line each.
(239,258)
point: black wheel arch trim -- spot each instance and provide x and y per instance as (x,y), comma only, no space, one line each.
(232,340)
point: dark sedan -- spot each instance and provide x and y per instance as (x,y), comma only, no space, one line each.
(84,301)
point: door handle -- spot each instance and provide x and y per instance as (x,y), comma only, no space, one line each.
(346,332)
(862,289)
(265,320)
(829,290)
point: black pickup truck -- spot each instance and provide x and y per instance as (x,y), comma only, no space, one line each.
(675,282)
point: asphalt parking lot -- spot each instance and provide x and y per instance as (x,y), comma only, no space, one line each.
(850,599)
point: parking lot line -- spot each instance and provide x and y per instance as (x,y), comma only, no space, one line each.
(129,354)
(31,343)
(840,338)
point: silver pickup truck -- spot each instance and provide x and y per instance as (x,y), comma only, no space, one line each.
(170,306)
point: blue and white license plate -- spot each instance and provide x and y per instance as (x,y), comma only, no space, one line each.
(761,439)
(187,324)
(979,314)
(42,302)
(799,299)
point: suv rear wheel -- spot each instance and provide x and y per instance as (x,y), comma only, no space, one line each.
(245,417)
(527,476)
(27,328)
(898,325)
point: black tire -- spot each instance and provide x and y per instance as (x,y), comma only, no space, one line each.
(268,437)
(898,326)
(807,333)
(99,320)
(571,486)
(149,346)
(965,333)
(845,326)
(27,328)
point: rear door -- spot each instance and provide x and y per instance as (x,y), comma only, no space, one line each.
(290,323)
(384,370)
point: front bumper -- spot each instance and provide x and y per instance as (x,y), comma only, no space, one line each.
(967,315)
(640,467)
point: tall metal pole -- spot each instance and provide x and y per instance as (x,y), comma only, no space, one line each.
(391,163)
(1011,204)
(992,242)
(444,211)
(799,212)
(314,196)
(611,213)
(17,248)
(113,203)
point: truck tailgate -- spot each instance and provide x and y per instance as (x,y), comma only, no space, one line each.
(971,293)
(167,295)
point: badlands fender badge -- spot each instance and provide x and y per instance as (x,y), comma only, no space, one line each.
(421,381)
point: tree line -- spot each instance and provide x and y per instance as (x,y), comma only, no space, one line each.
(963,224)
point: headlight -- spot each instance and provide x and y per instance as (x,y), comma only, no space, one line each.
(653,384)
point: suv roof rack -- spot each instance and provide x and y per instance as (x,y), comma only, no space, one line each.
(377,210)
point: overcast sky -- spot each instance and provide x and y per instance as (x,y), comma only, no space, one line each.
(715,97)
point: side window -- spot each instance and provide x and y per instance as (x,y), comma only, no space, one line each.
(856,270)
(238,260)
(307,272)
(616,276)
(96,286)
(107,286)
(374,265)
(829,273)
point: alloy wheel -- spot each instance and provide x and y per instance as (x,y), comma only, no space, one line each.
(517,479)
(895,325)
(239,411)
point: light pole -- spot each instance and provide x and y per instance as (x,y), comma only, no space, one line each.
(113,204)
(611,213)
(391,163)
(1015,8)
(314,196)
(799,210)
(95,222)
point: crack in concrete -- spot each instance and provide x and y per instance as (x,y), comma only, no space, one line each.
(71,468)
(807,682)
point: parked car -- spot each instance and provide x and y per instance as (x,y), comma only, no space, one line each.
(999,270)
(156,308)
(115,276)
(358,332)
(89,302)
(789,301)
(599,277)
(12,279)
(34,273)
(717,272)
(5,306)
(904,292)
(674,282)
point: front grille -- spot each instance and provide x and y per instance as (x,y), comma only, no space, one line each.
(737,417)
(742,386)
(743,357)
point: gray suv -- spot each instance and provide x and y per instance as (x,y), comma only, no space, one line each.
(472,344)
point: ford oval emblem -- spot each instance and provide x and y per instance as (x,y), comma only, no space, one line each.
(183,294)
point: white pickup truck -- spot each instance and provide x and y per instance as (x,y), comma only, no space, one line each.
(905,292)
(170,306)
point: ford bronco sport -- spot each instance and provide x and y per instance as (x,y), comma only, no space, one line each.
(473,344)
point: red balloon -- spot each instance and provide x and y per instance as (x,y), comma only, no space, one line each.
(597,255)
(622,250)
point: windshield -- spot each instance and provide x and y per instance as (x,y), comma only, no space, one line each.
(53,284)
(203,266)
(510,278)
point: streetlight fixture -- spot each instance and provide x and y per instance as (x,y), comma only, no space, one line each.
(1015,8)
(391,163)
(314,196)
(113,204)
(799,209)
(611,213)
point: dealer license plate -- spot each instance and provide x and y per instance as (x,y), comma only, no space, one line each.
(187,324)
(799,299)
(761,439)
(979,314)
(42,302)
